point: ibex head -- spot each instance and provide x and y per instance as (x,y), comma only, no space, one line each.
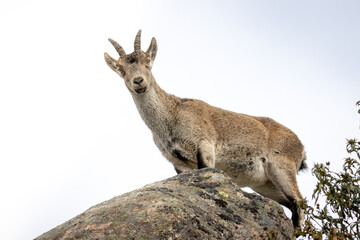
(134,68)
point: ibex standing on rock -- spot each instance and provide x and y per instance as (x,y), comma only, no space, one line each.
(256,152)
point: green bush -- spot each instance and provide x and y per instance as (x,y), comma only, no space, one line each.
(339,217)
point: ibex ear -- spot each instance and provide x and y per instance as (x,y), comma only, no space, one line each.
(152,49)
(112,63)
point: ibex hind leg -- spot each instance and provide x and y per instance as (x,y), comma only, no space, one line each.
(269,190)
(283,175)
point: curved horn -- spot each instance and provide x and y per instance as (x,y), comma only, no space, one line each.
(137,42)
(118,48)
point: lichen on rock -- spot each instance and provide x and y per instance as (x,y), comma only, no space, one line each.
(201,204)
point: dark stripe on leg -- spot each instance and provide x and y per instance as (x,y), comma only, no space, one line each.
(294,210)
(176,153)
(200,160)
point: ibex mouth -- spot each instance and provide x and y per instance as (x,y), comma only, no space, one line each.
(140,90)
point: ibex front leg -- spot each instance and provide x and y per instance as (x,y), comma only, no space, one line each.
(205,155)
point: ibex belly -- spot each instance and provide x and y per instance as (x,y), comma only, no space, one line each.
(245,165)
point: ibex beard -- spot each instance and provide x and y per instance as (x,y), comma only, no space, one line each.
(256,152)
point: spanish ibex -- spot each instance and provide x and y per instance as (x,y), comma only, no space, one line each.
(255,151)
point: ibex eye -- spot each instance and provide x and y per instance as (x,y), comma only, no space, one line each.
(148,61)
(121,70)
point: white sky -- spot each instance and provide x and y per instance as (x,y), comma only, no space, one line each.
(70,135)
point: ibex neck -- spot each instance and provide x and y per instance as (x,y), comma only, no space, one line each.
(155,108)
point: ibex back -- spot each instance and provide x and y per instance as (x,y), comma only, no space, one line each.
(256,152)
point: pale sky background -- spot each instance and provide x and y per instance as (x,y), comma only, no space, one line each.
(70,134)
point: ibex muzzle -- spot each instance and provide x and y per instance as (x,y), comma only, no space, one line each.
(256,152)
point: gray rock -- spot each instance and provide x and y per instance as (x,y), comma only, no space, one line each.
(202,204)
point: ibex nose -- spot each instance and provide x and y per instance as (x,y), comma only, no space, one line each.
(138,80)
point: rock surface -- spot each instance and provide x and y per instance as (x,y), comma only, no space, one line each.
(202,204)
